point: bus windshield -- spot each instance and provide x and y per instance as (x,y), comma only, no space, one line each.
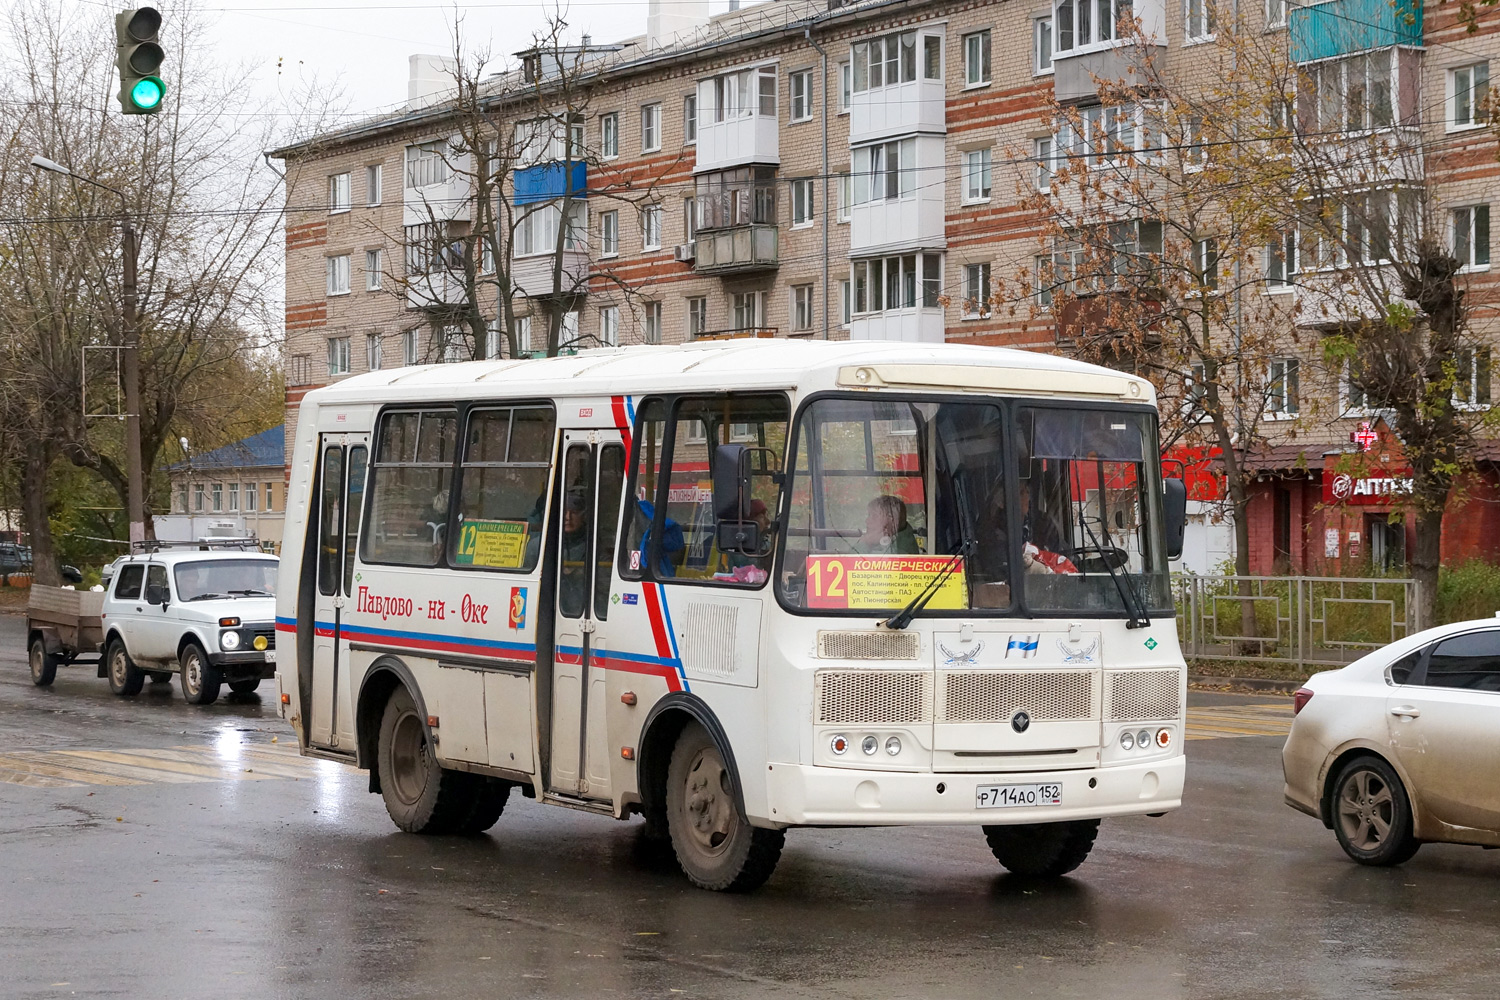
(886,494)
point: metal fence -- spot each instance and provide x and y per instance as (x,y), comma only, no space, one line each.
(1304,621)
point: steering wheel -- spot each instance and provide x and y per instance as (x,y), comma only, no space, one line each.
(1097,556)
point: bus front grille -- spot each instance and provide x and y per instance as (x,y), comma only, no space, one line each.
(1144,695)
(994,696)
(883,645)
(873,697)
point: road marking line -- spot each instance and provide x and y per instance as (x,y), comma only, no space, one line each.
(11,776)
(46,763)
(1238,721)
(170,765)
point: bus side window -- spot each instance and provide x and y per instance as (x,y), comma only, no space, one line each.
(650,424)
(409,483)
(503,491)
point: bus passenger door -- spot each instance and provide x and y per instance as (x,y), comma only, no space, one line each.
(586,530)
(341,485)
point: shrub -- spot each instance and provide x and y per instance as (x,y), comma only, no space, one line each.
(1471,590)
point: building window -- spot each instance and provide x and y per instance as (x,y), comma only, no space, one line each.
(902,282)
(270,501)
(1276,13)
(492,339)
(372,351)
(1471,235)
(697,310)
(218,495)
(885,171)
(846,310)
(338,193)
(977,175)
(1468,93)
(234,498)
(1041,45)
(690,119)
(891,60)
(976,291)
(1042,153)
(373,270)
(1081,23)
(338,275)
(426,164)
(1206,262)
(409,347)
(846,85)
(749,310)
(689,219)
(1282,387)
(536,231)
(802,307)
(977,59)
(251,498)
(609,326)
(801,84)
(180,503)
(1471,383)
(609,233)
(198,497)
(1281,263)
(846,195)
(523,336)
(651,227)
(1352,93)
(652,322)
(651,128)
(338,355)
(372,185)
(740,94)
(609,135)
(802,202)
(1200,19)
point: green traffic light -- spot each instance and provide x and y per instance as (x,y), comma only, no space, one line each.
(147,93)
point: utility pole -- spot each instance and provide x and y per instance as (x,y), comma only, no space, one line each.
(130,342)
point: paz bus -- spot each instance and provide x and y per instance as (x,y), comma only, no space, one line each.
(740,587)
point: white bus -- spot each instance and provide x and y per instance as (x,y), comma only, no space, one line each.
(738,587)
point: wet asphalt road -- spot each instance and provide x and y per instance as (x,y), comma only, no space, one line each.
(293,883)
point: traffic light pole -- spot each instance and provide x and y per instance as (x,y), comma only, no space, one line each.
(130,342)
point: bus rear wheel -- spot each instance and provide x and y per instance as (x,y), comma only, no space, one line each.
(421,795)
(716,846)
(1042,850)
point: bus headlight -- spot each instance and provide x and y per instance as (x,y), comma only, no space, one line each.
(893,746)
(1143,739)
(869,745)
(839,745)
(229,640)
(1127,741)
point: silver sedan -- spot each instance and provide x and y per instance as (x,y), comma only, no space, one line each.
(1402,746)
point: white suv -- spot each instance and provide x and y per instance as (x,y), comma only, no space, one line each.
(207,615)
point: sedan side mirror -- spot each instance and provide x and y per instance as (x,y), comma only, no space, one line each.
(156,594)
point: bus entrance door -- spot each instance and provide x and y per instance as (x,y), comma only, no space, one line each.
(341,490)
(586,528)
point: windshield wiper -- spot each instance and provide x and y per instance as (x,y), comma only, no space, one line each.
(208,597)
(252,592)
(1134,606)
(906,614)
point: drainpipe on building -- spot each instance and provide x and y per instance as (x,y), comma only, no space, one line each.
(823,68)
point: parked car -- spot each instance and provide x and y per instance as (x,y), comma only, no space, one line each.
(1402,747)
(207,615)
(14,558)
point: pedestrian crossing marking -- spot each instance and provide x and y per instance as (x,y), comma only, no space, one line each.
(75,768)
(1217,722)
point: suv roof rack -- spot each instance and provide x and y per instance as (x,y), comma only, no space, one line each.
(203,544)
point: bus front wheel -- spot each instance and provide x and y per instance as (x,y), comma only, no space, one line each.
(1042,850)
(715,845)
(421,795)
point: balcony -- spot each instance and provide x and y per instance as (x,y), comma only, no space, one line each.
(435,289)
(737,142)
(739,250)
(914,221)
(912,326)
(750,333)
(1341,27)
(549,182)
(1108,59)
(534,276)
(901,109)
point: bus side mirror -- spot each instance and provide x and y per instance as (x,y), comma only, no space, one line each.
(1174,515)
(731,477)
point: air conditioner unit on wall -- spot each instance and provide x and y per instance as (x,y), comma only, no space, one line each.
(684,251)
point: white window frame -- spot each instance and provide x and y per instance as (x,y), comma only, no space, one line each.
(1476,91)
(609,326)
(651,322)
(1283,388)
(426,164)
(978,56)
(338,357)
(846,315)
(609,135)
(234,498)
(1276,13)
(252,498)
(1468,222)
(1282,264)
(804,208)
(1044,154)
(846,86)
(878,170)
(697,315)
(690,119)
(651,127)
(977,273)
(846,197)
(1070,18)
(374,270)
(218,496)
(978,176)
(1041,45)
(803,302)
(1199,21)
(1203,248)
(340,193)
(523,335)
(651,227)
(409,354)
(609,233)
(871,279)
(800,96)
(888,52)
(338,274)
(374,184)
(492,340)
(373,351)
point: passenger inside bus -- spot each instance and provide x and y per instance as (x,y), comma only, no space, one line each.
(573,550)
(887,530)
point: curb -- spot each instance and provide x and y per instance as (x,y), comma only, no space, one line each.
(1268,684)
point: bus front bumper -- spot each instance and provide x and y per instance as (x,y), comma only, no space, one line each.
(805,795)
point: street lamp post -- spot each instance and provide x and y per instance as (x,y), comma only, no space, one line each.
(130,339)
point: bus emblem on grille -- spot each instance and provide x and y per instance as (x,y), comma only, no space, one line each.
(1020,722)
(963,655)
(1081,655)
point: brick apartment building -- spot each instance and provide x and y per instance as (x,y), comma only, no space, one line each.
(857,170)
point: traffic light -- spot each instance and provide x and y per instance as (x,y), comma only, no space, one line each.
(138,58)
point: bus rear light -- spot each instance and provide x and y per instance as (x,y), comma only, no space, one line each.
(1163,738)
(286,699)
(1300,698)
(839,745)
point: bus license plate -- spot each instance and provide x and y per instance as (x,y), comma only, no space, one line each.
(1004,796)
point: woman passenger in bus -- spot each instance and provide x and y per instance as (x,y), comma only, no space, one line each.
(887,531)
